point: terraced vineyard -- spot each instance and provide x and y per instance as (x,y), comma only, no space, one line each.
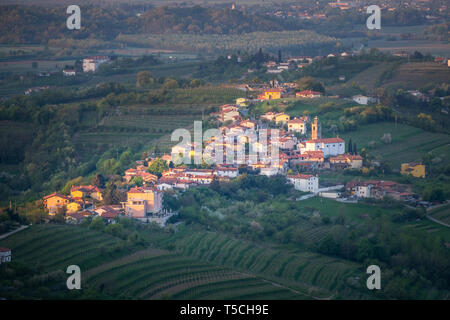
(161,274)
(53,247)
(313,274)
(408,143)
(143,274)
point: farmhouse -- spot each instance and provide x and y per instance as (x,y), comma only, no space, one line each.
(378,189)
(5,255)
(271,94)
(348,160)
(308,94)
(91,64)
(56,202)
(364,100)
(142,201)
(304,182)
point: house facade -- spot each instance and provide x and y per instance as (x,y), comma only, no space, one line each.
(5,255)
(304,182)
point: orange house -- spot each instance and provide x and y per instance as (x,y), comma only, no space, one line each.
(55,202)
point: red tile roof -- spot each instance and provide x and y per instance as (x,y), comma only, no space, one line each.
(326,140)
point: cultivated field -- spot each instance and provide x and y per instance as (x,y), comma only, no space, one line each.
(110,265)
(312,274)
(417,74)
(408,143)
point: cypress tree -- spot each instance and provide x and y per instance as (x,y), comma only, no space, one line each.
(350,146)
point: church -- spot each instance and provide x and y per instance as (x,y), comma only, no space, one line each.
(329,146)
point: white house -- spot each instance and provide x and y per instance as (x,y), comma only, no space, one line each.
(365,100)
(227,172)
(329,146)
(305,182)
(5,255)
(69,72)
(269,171)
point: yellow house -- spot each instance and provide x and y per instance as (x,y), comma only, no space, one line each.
(86,191)
(271,94)
(282,118)
(415,169)
(55,201)
(74,206)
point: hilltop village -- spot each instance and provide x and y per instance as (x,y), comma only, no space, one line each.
(301,154)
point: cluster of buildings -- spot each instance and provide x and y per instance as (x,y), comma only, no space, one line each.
(293,150)
(379,189)
(90,64)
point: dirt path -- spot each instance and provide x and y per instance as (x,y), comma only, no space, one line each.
(3,236)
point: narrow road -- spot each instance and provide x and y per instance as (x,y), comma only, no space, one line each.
(437,221)
(3,236)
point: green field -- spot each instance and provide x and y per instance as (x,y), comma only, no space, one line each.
(408,143)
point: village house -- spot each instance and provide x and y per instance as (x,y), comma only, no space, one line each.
(55,203)
(308,94)
(304,182)
(415,169)
(74,206)
(108,213)
(81,192)
(91,64)
(297,125)
(69,72)
(146,176)
(352,161)
(269,116)
(281,118)
(230,172)
(364,100)
(379,189)
(5,255)
(142,202)
(77,217)
(271,94)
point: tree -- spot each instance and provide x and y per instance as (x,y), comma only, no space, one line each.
(138,181)
(115,229)
(157,167)
(144,79)
(355,150)
(350,146)
(309,83)
(170,83)
(97,224)
(98,180)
